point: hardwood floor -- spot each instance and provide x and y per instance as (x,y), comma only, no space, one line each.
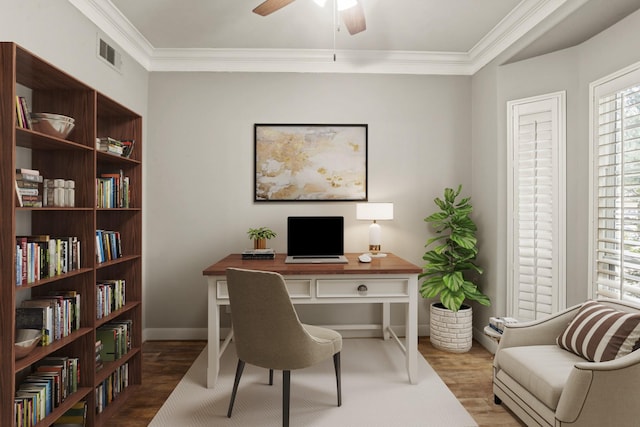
(468,376)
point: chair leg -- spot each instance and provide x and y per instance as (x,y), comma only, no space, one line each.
(239,370)
(270,376)
(286,394)
(336,365)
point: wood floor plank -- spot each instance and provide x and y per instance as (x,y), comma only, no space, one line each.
(468,376)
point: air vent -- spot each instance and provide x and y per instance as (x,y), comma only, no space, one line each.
(109,54)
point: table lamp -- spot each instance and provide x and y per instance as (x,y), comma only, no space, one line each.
(374,212)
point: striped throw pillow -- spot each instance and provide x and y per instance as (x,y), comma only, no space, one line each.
(600,333)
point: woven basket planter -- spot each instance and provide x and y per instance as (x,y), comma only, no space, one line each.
(451,331)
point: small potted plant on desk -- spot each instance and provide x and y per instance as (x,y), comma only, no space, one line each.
(447,262)
(260,236)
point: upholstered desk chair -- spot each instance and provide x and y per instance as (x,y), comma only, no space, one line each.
(268,333)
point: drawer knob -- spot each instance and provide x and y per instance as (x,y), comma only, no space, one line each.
(362,288)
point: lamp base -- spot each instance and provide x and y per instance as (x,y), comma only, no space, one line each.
(374,252)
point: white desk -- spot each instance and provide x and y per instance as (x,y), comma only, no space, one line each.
(384,281)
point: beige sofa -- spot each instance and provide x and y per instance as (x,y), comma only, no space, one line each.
(546,385)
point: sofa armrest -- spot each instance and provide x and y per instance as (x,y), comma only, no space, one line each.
(537,332)
(604,393)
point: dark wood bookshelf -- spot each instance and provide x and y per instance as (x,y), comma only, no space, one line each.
(48,89)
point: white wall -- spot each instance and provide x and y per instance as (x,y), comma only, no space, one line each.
(58,33)
(571,70)
(200,172)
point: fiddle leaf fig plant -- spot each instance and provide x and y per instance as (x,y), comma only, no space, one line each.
(452,254)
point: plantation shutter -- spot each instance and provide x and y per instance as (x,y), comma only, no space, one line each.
(616,115)
(537,207)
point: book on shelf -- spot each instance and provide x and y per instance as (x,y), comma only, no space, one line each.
(109,145)
(99,362)
(128,147)
(110,296)
(27,171)
(76,416)
(259,254)
(108,245)
(68,367)
(23,114)
(38,381)
(113,190)
(27,185)
(38,394)
(115,146)
(116,339)
(42,256)
(109,389)
(57,314)
(29,177)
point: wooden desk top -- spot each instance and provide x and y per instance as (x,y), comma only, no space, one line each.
(391,264)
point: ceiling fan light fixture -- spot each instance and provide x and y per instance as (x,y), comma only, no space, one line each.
(346,4)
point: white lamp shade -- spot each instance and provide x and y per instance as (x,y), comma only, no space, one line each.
(374,211)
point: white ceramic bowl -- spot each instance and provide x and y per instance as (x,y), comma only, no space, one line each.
(26,341)
(52,124)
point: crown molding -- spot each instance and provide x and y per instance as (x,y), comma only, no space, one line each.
(520,20)
(310,61)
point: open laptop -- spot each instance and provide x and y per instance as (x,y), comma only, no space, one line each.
(315,240)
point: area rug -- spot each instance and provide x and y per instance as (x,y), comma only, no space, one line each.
(375,392)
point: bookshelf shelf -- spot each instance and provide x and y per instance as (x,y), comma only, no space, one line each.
(77,158)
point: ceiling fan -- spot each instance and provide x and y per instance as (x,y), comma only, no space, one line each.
(351,12)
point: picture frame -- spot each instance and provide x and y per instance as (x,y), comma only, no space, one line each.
(310,162)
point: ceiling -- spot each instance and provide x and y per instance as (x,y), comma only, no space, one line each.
(402,36)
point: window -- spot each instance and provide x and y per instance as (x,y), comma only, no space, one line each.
(615,236)
(536,202)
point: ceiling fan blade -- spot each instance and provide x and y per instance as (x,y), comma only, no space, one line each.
(269,6)
(354,19)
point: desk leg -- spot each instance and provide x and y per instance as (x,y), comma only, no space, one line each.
(386,319)
(213,335)
(411,332)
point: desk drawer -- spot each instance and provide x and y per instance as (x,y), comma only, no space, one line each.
(297,289)
(365,288)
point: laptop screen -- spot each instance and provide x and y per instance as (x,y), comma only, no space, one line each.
(315,235)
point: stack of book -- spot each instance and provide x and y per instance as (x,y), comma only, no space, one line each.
(114,146)
(28,182)
(498,323)
(259,254)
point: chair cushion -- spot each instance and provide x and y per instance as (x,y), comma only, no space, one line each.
(325,335)
(600,333)
(543,370)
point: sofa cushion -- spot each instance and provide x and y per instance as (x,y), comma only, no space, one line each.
(600,333)
(541,369)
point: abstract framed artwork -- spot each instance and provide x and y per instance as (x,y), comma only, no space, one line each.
(310,162)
